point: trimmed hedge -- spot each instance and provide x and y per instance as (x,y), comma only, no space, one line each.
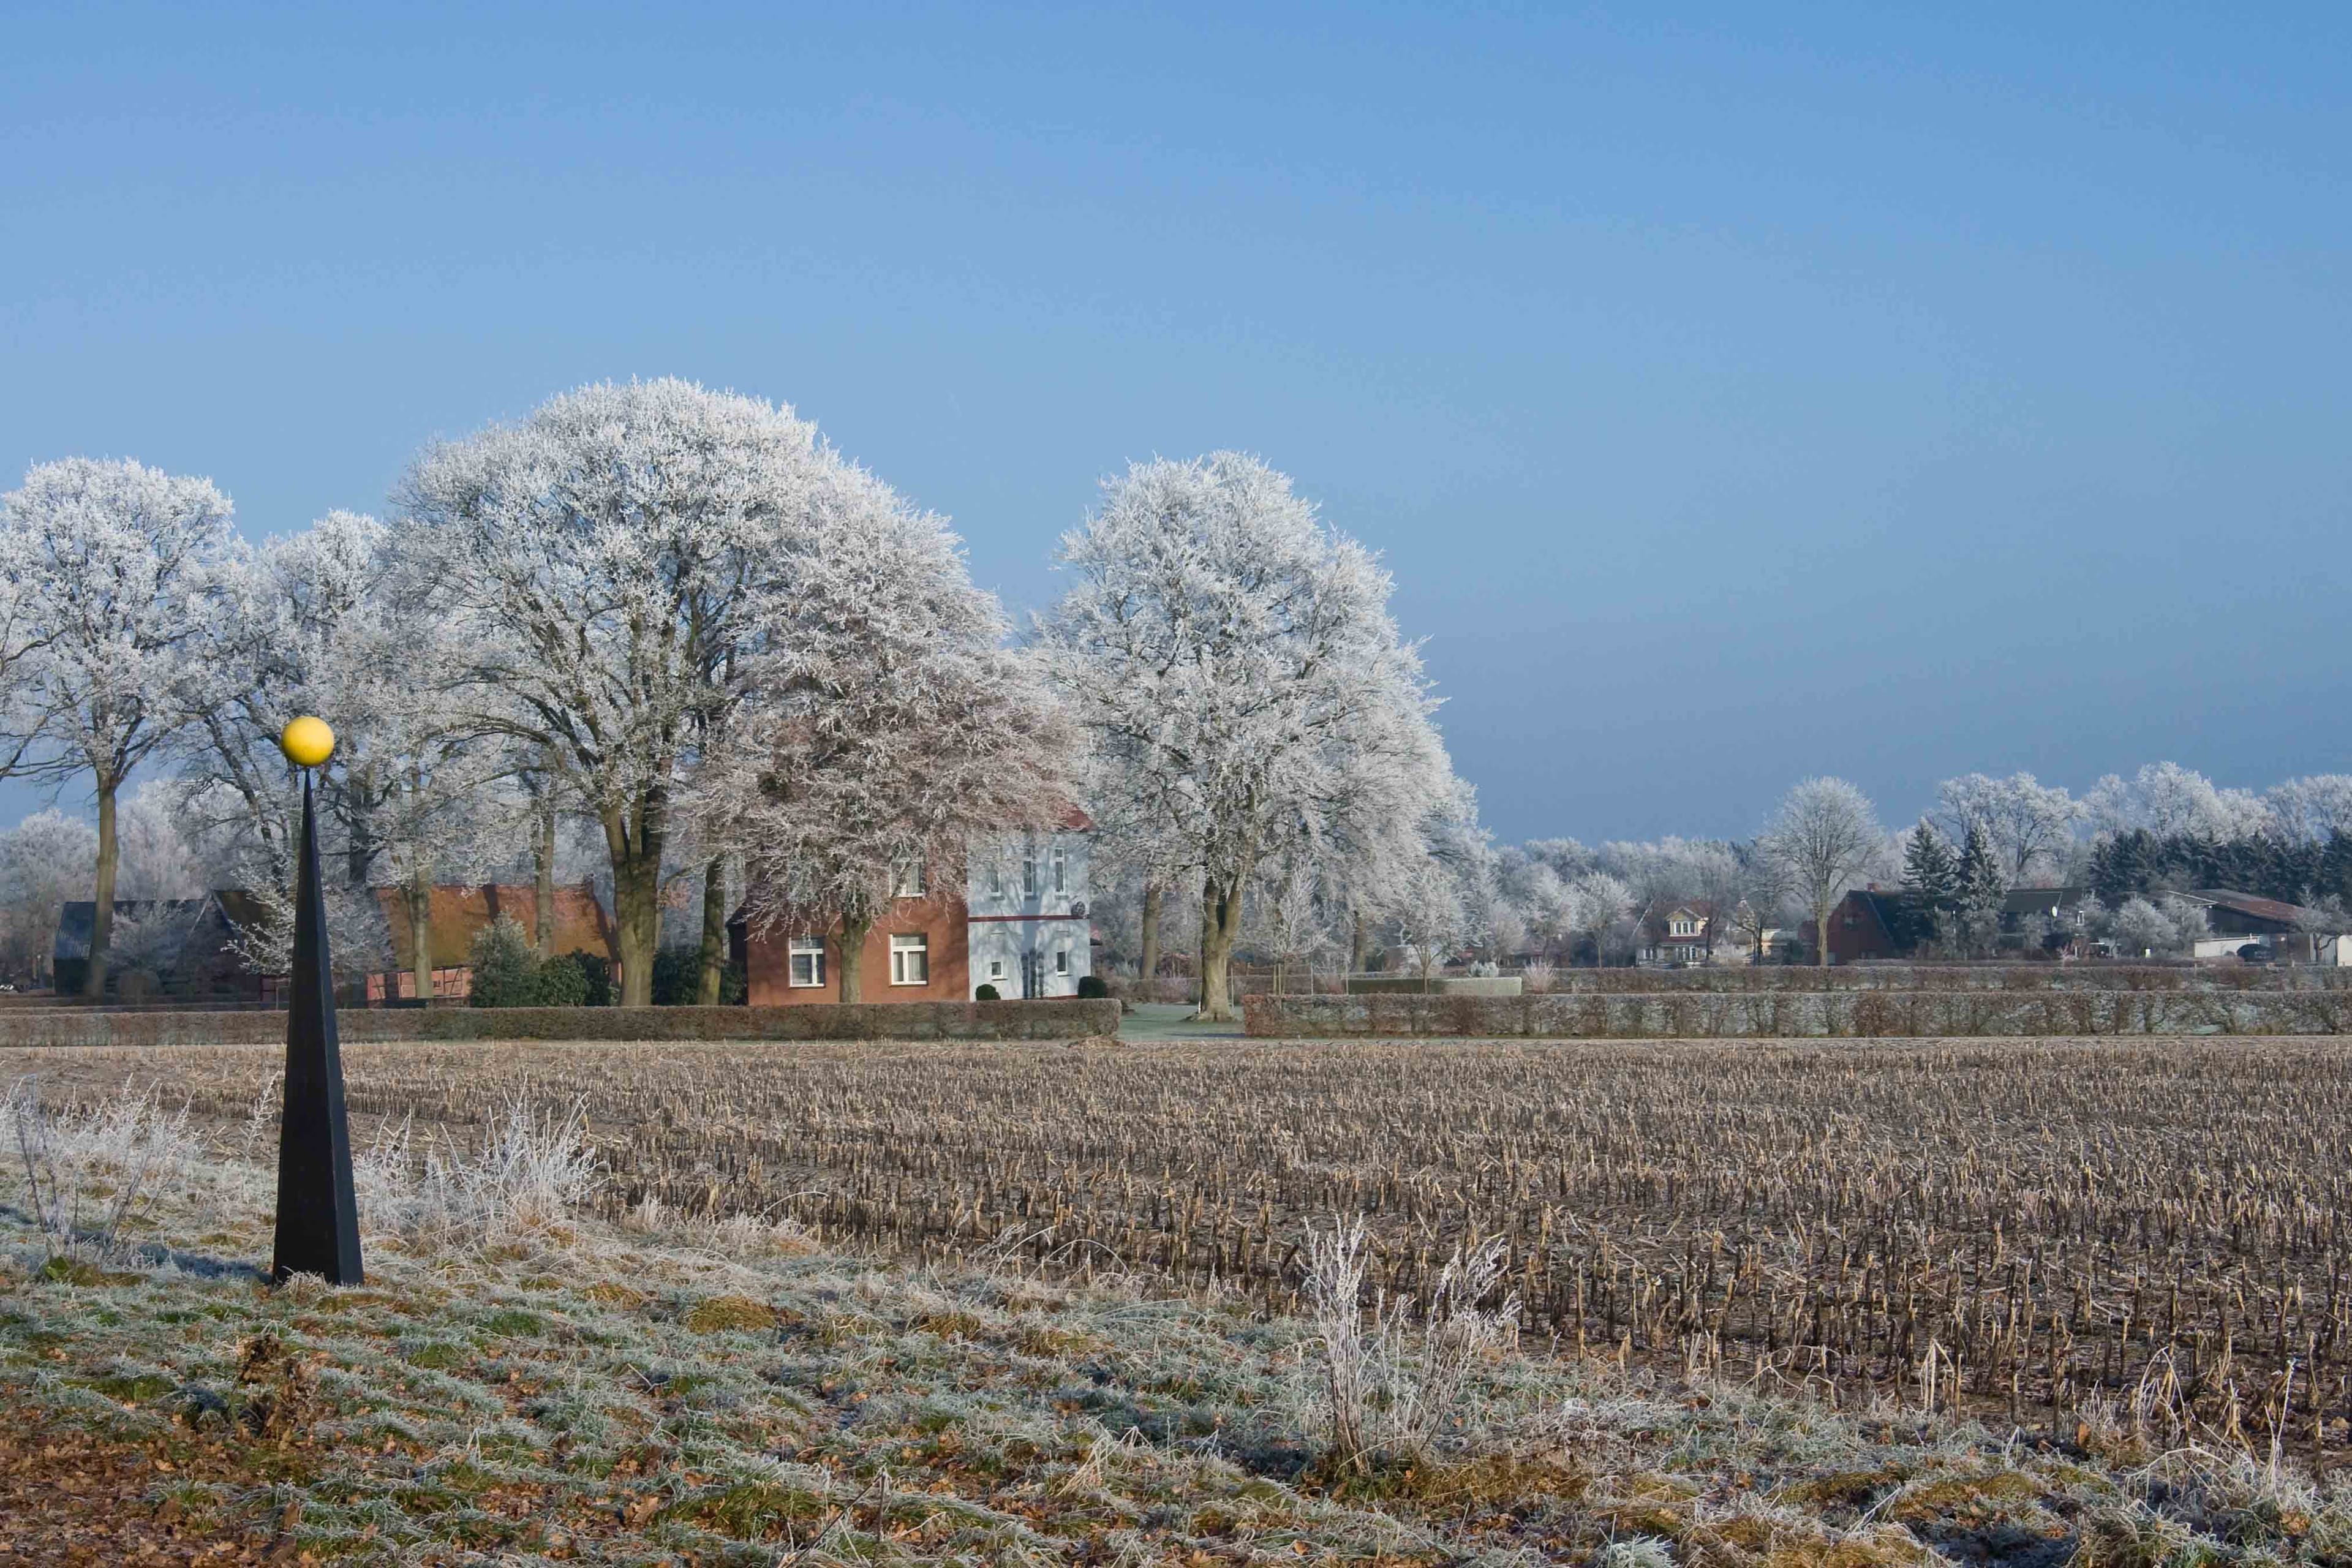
(1784,1014)
(1951,977)
(1044,1020)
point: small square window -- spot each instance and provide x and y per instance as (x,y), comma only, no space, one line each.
(807,956)
(1061,960)
(996,969)
(911,959)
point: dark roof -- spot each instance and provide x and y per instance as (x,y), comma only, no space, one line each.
(2040,900)
(2251,905)
(75,918)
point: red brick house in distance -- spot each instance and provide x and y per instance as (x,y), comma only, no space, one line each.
(1015,919)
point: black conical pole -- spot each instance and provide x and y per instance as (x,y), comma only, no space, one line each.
(318,1216)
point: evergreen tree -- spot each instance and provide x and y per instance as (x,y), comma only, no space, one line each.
(1977,902)
(2123,866)
(1928,866)
(2335,872)
(1980,883)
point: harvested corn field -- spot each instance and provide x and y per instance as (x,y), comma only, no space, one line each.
(2049,1232)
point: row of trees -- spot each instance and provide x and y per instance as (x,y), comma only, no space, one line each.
(676,614)
(679,620)
(680,617)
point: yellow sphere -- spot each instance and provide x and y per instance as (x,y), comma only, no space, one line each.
(307,741)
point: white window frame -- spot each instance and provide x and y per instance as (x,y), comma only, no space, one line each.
(1029,875)
(798,948)
(908,879)
(1061,862)
(1061,960)
(910,958)
(996,969)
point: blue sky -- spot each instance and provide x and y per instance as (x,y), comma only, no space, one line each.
(1736,394)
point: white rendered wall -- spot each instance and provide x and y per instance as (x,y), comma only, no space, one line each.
(1008,924)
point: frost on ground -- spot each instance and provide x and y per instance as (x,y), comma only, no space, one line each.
(516,1384)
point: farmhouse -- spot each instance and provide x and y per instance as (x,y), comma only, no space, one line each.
(185,947)
(1015,919)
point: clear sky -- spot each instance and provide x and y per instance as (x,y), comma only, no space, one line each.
(1736,395)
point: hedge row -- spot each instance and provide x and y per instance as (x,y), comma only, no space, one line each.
(1043,1020)
(2230,976)
(1897,1014)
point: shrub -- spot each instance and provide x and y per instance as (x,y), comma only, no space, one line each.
(596,970)
(990,993)
(676,972)
(506,971)
(1091,986)
(562,982)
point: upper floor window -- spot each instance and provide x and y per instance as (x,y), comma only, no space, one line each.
(1061,863)
(1029,876)
(906,881)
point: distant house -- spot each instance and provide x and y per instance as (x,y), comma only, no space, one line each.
(2240,920)
(158,946)
(1876,922)
(1012,917)
(459,912)
(185,947)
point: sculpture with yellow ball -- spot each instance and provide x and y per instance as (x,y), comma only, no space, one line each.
(318,1214)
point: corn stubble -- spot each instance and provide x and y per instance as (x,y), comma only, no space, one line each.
(2062,1235)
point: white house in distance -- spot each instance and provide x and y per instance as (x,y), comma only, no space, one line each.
(1025,912)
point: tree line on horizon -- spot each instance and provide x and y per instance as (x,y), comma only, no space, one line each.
(675,629)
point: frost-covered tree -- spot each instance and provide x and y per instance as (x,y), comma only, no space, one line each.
(2140,928)
(1762,906)
(600,568)
(2023,820)
(882,723)
(1243,685)
(2169,800)
(1929,868)
(1596,905)
(108,567)
(308,623)
(1826,833)
(44,860)
(2314,809)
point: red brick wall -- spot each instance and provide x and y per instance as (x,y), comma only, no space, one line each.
(767,963)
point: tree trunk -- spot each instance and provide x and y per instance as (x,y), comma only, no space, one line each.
(636,854)
(101,914)
(1150,965)
(714,932)
(853,958)
(359,857)
(1360,945)
(1822,937)
(542,892)
(1221,929)
(420,932)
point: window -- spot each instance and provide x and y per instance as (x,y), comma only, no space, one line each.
(1061,869)
(1061,960)
(1029,876)
(807,956)
(906,881)
(911,959)
(996,969)
(995,879)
